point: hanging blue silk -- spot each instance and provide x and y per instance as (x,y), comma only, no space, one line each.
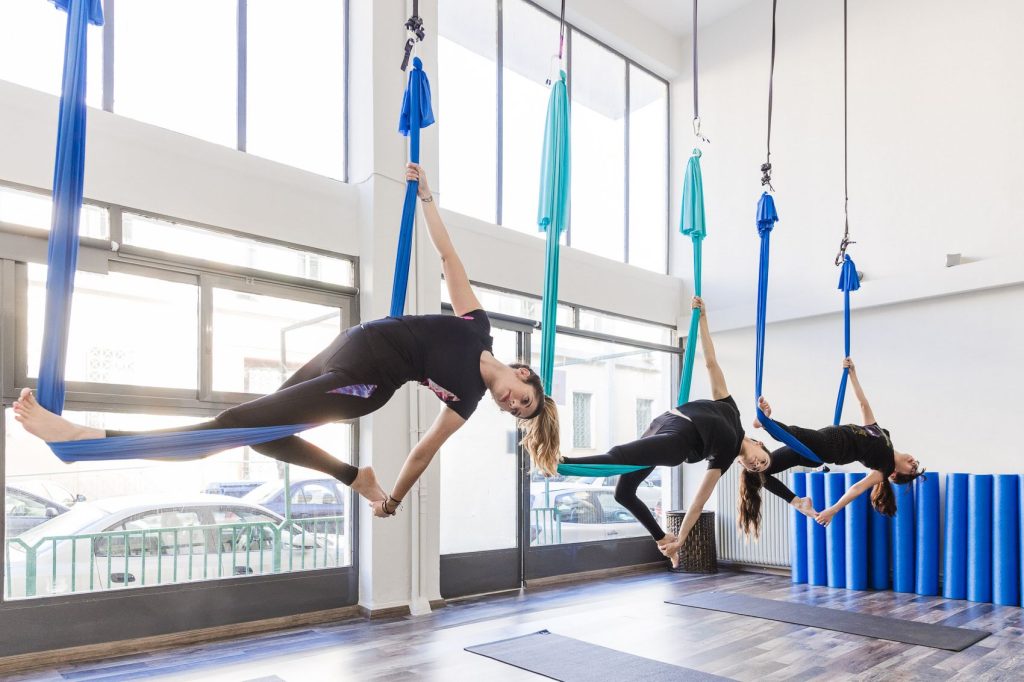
(692,223)
(416,113)
(766,219)
(68,179)
(848,281)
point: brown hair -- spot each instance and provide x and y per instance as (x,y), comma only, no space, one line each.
(882,497)
(749,519)
(541,429)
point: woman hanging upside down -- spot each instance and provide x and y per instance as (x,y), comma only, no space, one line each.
(695,431)
(360,371)
(868,444)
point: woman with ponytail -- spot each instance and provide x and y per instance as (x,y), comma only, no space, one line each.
(696,431)
(868,444)
(360,371)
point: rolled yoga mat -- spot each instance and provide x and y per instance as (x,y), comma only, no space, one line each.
(839,620)
(954,566)
(857,537)
(903,541)
(817,573)
(879,530)
(798,532)
(835,533)
(1005,540)
(926,523)
(979,537)
(572,660)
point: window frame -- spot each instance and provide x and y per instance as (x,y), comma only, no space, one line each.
(254,597)
(628,62)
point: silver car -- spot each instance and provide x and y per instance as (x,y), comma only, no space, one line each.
(145,540)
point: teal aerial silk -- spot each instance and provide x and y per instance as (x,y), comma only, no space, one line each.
(553,216)
(692,224)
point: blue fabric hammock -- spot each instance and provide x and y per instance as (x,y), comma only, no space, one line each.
(63,252)
(848,281)
(692,224)
(416,114)
(766,219)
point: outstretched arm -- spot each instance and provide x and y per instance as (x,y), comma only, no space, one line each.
(707,486)
(455,278)
(865,408)
(853,492)
(718,388)
(447,423)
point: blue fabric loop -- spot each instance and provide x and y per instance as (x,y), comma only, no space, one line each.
(766,219)
(848,281)
(598,469)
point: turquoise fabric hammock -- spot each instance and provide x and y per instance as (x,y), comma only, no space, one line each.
(63,249)
(552,218)
(692,224)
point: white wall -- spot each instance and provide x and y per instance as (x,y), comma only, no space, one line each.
(935,142)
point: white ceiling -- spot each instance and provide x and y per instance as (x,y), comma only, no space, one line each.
(677,15)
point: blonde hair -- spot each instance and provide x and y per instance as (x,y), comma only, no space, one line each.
(541,436)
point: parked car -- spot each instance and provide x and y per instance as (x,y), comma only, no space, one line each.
(581,514)
(311,498)
(50,491)
(649,491)
(231,488)
(24,510)
(141,540)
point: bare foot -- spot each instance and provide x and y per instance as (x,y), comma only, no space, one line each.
(44,424)
(669,546)
(366,485)
(805,507)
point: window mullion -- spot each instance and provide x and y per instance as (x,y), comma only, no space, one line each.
(242,41)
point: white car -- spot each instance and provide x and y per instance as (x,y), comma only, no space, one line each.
(582,514)
(169,539)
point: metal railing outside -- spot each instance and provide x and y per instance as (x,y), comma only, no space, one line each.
(162,556)
(548,526)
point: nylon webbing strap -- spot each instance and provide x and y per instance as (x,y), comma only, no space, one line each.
(766,168)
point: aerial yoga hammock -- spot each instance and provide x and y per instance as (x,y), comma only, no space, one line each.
(766,219)
(63,250)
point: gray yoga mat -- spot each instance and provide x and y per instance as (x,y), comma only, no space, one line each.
(569,660)
(879,627)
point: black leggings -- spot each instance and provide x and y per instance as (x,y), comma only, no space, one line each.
(826,443)
(667,442)
(308,397)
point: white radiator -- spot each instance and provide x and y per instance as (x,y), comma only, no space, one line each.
(772,549)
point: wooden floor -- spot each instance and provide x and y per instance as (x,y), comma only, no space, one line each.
(624,613)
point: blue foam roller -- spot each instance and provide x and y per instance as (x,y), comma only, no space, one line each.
(1020,524)
(926,525)
(878,552)
(817,573)
(857,537)
(903,544)
(1005,540)
(954,567)
(798,532)
(979,537)
(835,534)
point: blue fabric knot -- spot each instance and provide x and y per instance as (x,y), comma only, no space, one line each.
(766,214)
(848,278)
(419,83)
(93,7)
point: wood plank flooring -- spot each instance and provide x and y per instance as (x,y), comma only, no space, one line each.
(626,613)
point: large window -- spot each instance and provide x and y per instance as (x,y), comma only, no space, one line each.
(233,73)
(157,341)
(619,130)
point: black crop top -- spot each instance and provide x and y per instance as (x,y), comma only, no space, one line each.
(442,352)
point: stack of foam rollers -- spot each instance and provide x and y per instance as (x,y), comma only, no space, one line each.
(980,558)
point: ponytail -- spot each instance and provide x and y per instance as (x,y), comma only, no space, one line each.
(541,436)
(749,519)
